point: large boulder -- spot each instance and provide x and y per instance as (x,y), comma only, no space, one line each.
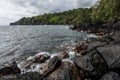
(93,45)
(111,54)
(52,65)
(67,71)
(90,66)
(39,58)
(10,69)
(110,76)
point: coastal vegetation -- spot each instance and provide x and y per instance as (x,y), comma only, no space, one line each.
(103,10)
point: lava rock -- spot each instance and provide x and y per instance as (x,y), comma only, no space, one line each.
(91,65)
(31,76)
(39,58)
(94,45)
(10,69)
(111,53)
(52,65)
(110,76)
(67,71)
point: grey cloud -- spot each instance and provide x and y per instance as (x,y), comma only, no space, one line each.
(6,21)
(23,8)
(49,6)
(85,3)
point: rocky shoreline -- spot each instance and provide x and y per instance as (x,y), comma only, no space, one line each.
(92,59)
(99,28)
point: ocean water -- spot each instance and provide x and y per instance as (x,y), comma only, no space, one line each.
(20,42)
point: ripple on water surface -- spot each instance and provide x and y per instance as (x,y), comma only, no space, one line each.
(19,42)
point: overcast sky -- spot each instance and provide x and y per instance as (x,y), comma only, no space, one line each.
(12,10)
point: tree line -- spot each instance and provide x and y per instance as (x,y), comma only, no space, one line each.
(103,10)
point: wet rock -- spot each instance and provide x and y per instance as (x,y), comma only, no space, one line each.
(100,33)
(26,76)
(111,53)
(110,76)
(116,36)
(10,69)
(67,71)
(81,48)
(63,55)
(52,65)
(31,76)
(39,58)
(91,65)
(98,27)
(94,45)
(26,64)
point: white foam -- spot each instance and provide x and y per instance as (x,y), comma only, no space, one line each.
(81,31)
(67,60)
(71,54)
(41,53)
(36,67)
(92,36)
(30,58)
(19,66)
(52,55)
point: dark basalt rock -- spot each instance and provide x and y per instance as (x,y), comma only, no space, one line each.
(110,76)
(67,71)
(111,54)
(39,58)
(30,76)
(10,69)
(91,65)
(93,45)
(52,65)
(98,28)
